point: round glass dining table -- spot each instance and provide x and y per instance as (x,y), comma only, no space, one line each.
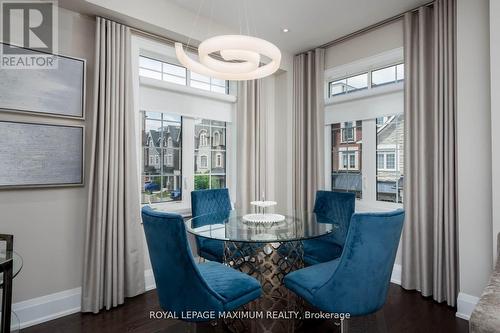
(265,245)
(17,263)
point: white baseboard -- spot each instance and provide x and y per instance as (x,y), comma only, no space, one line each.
(49,307)
(41,309)
(396,274)
(465,305)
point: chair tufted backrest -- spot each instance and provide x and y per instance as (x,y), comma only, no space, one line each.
(360,279)
(337,207)
(179,283)
(210,201)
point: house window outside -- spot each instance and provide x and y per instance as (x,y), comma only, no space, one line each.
(161,172)
(216,138)
(348,131)
(347,157)
(210,154)
(203,162)
(390,162)
(203,138)
(170,160)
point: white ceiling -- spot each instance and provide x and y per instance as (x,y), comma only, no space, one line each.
(311,22)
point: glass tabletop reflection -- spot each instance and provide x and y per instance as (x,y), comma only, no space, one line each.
(17,262)
(240,226)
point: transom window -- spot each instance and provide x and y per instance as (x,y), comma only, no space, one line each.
(388,75)
(160,70)
(207,83)
(349,84)
(370,79)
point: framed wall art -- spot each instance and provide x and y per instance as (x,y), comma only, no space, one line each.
(41,155)
(49,91)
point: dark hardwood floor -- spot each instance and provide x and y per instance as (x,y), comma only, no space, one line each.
(405,311)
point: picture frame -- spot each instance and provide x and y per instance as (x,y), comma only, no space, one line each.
(52,92)
(36,155)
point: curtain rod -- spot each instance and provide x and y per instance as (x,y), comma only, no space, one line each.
(162,38)
(371,27)
(138,31)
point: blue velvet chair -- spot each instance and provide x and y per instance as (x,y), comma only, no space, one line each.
(208,202)
(330,207)
(181,283)
(358,281)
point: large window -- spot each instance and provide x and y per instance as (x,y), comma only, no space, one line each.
(161,163)
(347,156)
(210,154)
(390,152)
(165,71)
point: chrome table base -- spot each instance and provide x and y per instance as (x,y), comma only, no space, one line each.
(268,263)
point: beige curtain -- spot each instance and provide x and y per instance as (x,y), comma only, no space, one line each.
(113,263)
(308,127)
(430,233)
(251,143)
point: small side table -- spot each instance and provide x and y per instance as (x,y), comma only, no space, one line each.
(10,265)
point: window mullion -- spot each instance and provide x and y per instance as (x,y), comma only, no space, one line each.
(369,160)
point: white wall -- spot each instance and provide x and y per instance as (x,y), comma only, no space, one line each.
(48,224)
(495,115)
(377,41)
(474,145)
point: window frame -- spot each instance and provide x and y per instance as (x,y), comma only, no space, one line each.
(162,156)
(370,84)
(388,58)
(338,111)
(142,46)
